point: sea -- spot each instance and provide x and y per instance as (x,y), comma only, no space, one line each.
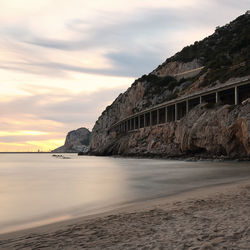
(38,189)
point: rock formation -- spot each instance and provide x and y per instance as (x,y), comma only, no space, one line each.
(76,141)
(221,130)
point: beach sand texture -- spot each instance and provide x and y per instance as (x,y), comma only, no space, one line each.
(209,218)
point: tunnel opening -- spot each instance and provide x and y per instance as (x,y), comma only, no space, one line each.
(136,122)
(147,118)
(210,98)
(120,128)
(154,117)
(125,126)
(171,113)
(227,96)
(129,125)
(193,103)
(117,129)
(162,115)
(181,110)
(142,121)
(244,92)
(132,123)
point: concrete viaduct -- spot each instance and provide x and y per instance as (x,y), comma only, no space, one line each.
(231,93)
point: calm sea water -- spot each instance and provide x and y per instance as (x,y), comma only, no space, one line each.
(37,189)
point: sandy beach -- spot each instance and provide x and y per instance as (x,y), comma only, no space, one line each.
(209,218)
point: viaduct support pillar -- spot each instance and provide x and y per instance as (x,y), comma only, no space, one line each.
(236,96)
(166,114)
(175,112)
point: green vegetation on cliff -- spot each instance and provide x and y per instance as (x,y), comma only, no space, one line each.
(225,54)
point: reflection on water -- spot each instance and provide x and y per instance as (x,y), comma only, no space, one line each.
(38,188)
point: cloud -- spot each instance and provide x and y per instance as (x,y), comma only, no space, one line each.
(130,30)
(237,6)
(24,138)
(71,110)
(131,43)
(43,119)
(131,64)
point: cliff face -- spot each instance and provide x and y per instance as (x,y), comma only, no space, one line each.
(76,141)
(222,130)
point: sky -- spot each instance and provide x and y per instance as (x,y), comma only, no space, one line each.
(62,62)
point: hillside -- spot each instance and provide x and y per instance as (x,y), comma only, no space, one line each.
(219,58)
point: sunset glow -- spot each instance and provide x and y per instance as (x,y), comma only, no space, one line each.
(32,146)
(14,133)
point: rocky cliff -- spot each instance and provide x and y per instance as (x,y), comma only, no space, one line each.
(222,130)
(76,141)
(207,132)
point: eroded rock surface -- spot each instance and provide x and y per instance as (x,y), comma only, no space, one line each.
(76,141)
(220,131)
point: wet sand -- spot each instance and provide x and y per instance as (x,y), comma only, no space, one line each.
(209,218)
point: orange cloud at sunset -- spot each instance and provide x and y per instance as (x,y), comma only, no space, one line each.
(22,132)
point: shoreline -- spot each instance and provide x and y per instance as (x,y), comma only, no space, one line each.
(191,158)
(184,157)
(134,213)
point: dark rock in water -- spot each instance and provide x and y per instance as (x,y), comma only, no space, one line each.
(61,156)
(76,141)
(82,153)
